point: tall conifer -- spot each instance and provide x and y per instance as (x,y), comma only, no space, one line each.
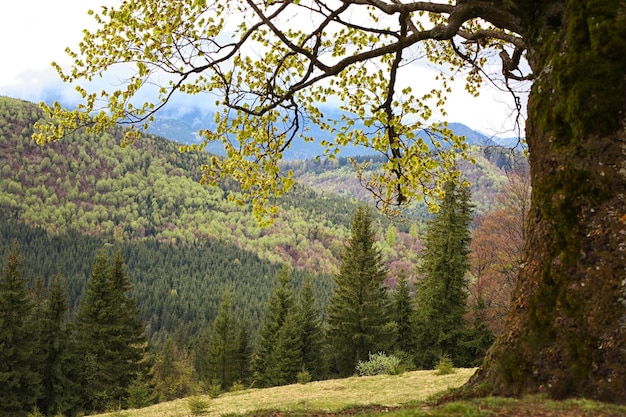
(402,313)
(358,317)
(110,334)
(309,321)
(243,353)
(59,370)
(19,360)
(287,354)
(280,305)
(222,348)
(442,292)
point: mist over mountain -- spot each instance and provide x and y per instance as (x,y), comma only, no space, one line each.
(182,125)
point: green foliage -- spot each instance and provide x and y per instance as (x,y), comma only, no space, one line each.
(151,191)
(480,337)
(180,240)
(177,288)
(60,355)
(263,104)
(173,373)
(380,364)
(274,340)
(214,389)
(441,326)
(445,366)
(198,406)
(287,355)
(291,337)
(110,333)
(403,314)
(36,412)
(237,386)
(222,349)
(20,382)
(308,319)
(140,393)
(358,312)
(303,377)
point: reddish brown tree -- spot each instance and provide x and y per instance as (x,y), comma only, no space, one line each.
(496,249)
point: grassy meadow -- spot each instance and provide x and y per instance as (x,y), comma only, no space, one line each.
(403,395)
(332,395)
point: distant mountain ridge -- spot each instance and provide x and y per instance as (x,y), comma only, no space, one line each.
(183,126)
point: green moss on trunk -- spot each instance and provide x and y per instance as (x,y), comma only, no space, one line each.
(565,331)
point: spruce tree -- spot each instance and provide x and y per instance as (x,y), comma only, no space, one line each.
(280,305)
(222,348)
(173,372)
(20,383)
(442,292)
(287,354)
(59,370)
(111,334)
(311,336)
(358,318)
(243,354)
(481,337)
(402,313)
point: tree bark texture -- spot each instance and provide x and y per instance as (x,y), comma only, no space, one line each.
(566,330)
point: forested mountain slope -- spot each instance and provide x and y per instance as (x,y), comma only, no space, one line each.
(184,243)
(178,288)
(95,187)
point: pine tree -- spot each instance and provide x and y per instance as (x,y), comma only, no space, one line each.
(311,337)
(481,337)
(280,305)
(243,354)
(402,313)
(19,380)
(358,318)
(110,333)
(221,349)
(442,293)
(287,354)
(59,370)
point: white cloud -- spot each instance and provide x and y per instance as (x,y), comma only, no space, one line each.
(36,32)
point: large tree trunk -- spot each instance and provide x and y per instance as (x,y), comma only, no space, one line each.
(566,331)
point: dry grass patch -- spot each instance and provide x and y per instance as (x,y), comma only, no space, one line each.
(330,395)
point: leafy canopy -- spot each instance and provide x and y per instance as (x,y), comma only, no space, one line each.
(271,66)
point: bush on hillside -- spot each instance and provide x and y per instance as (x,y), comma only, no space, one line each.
(380,364)
(445,366)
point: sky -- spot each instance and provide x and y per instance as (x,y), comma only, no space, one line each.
(36,32)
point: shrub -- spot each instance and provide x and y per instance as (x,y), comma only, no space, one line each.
(303,377)
(139,394)
(380,364)
(214,389)
(445,366)
(237,386)
(198,406)
(36,413)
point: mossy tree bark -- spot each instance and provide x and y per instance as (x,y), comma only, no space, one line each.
(566,330)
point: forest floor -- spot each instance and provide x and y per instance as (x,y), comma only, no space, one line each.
(412,394)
